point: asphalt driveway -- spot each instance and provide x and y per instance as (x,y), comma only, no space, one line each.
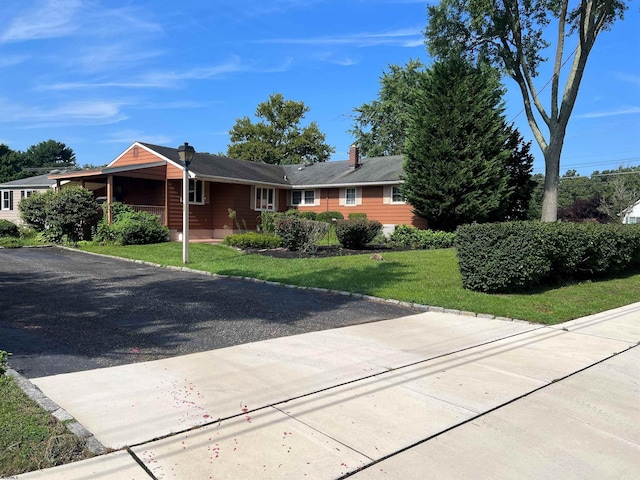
(63,311)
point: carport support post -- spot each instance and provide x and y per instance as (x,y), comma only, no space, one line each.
(185,152)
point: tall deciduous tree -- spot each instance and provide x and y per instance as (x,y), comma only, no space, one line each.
(379,126)
(462,161)
(278,138)
(511,34)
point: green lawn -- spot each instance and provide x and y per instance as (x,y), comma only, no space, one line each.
(31,438)
(428,277)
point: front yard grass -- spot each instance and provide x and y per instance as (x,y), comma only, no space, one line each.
(31,438)
(428,277)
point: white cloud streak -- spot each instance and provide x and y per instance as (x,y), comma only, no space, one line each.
(92,112)
(49,19)
(410,37)
(611,113)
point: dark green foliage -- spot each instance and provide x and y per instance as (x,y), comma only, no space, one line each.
(357,233)
(130,228)
(8,229)
(519,256)
(33,209)
(410,236)
(278,138)
(355,215)
(329,216)
(308,215)
(380,126)
(300,234)
(38,159)
(72,213)
(266,223)
(460,164)
(252,240)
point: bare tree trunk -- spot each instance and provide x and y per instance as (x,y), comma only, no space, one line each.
(551,180)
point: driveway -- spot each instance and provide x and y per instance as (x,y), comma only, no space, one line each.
(64,311)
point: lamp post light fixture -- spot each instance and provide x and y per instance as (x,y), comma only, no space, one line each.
(186,153)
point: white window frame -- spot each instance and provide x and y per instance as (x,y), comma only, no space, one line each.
(350,202)
(304,200)
(27,193)
(196,196)
(261,199)
(395,191)
(6,202)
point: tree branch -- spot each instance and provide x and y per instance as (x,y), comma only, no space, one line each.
(558,62)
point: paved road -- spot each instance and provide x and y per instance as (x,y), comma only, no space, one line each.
(63,311)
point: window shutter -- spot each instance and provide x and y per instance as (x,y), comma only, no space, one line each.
(206,190)
(253,197)
(276,195)
(341,198)
(316,197)
(11,200)
(358,196)
(386,195)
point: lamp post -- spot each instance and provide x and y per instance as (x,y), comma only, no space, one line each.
(186,153)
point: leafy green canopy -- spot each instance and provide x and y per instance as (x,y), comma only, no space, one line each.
(37,159)
(278,139)
(511,35)
(463,163)
(379,126)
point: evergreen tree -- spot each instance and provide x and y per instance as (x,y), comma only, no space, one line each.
(457,160)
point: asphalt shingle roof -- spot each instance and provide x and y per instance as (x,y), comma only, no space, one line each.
(372,170)
(29,182)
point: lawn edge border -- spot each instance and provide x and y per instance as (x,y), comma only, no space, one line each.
(417,306)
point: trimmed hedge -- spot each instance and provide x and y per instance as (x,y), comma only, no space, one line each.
(356,233)
(130,227)
(8,229)
(252,240)
(329,216)
(519,256)
(410,236)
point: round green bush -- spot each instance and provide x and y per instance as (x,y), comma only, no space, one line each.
(328,217)
(8,229)
(356,233)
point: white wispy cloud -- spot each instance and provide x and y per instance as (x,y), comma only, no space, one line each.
(91,112)
(629,78)
(409,37)
(11,60)
(611,113)
(48,19)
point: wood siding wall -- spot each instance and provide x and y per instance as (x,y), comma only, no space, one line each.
(372,205)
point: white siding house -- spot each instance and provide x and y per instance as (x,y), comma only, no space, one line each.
(11,193)
(632,214)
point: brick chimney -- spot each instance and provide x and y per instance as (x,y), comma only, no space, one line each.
(354,157)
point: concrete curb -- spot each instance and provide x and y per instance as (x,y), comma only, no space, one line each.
(417,306)
(35,394)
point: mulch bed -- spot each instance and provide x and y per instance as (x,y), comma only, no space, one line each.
(324,251)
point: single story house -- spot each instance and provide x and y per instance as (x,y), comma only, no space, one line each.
(149,178)
(631,215)
(11,193)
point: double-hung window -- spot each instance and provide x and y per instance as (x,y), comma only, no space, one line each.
(196,191)
(303,197)
(396,195)
(26,193)
(7,200)
(265,199)
(350,196)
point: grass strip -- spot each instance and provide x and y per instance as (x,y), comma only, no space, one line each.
(428,277)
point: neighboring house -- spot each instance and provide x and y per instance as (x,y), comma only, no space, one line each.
(11,193)
(149,178)
(632,214)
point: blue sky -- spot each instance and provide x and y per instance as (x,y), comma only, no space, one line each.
(98,75)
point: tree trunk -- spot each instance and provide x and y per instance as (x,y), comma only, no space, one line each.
(551,180)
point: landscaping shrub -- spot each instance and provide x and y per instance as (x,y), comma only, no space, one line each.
(8,229)
(410,236)
(252,240)
(356,233)
(33,209)
(329,216)
(131,228)
(356,215)
(300,234)
(517,256)
(308,215)
(267,220)
(71,213)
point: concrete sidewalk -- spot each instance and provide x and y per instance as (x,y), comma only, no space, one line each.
(430,395)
